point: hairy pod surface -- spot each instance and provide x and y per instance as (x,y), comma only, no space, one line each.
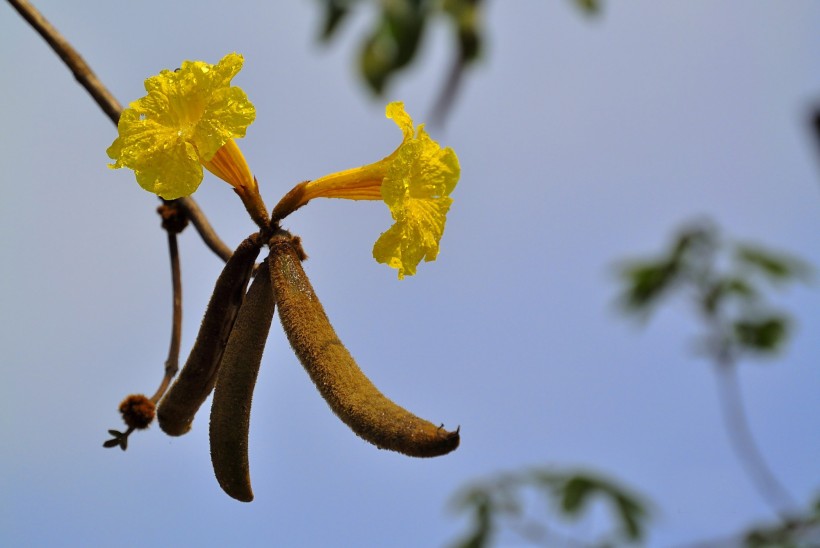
(350,394)
(231,408)
(196,380)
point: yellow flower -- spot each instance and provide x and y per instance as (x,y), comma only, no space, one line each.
(188,119)
(415,182)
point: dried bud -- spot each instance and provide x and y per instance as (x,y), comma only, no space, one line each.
(137,411)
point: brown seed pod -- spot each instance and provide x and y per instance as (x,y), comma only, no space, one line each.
(346,389)
(231,408)
(196,380)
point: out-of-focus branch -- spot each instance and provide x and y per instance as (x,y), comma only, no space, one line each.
(112,108)
(744,445)
(449,90)
(466,16)
(815,123)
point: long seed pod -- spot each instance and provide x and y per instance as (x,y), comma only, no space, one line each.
(231,408)
(196,380)
(346,389)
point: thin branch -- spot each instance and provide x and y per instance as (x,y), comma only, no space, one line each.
(172,363)
(449,91)
(466,16)
(109,105)
(743,443)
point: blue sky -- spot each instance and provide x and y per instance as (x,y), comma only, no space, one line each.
(582,142)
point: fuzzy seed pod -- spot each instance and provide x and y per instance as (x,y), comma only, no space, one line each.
(346,389)
(196,380)
(231,408)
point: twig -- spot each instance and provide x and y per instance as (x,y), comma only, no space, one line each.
(743,443)
(448,92)
(172,363)
(109,105)
(466,17)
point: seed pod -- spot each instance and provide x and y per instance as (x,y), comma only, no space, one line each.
(231,408)
(196,380)
(346,389)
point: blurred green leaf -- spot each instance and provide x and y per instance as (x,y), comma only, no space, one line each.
(479,503)
(761,335)
(590,7)
(646,282)
(775,266)
(393,42)
(575,494)
(335,13)
(398,31)
(503,497)
(725,285)
(466,16)
(632,515)
(690,255)
(580,489)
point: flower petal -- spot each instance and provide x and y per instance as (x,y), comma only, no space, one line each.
(186,117)
(416,189)
(395,111)
(227,116)
(413,237)
(172,172)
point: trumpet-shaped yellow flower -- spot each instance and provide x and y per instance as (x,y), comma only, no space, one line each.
(188,119)
(417,190)
(415,182)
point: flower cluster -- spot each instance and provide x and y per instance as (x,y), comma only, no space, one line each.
(192,116)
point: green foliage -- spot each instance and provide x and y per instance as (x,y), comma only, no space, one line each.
(398,31)
(801,531)
(590,7)
(648,280)
(761,335)
(578,490)
(776,267)
(335,12)
(393,41)
(727,284)
(500,502)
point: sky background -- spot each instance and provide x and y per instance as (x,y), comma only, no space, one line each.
(582,142)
